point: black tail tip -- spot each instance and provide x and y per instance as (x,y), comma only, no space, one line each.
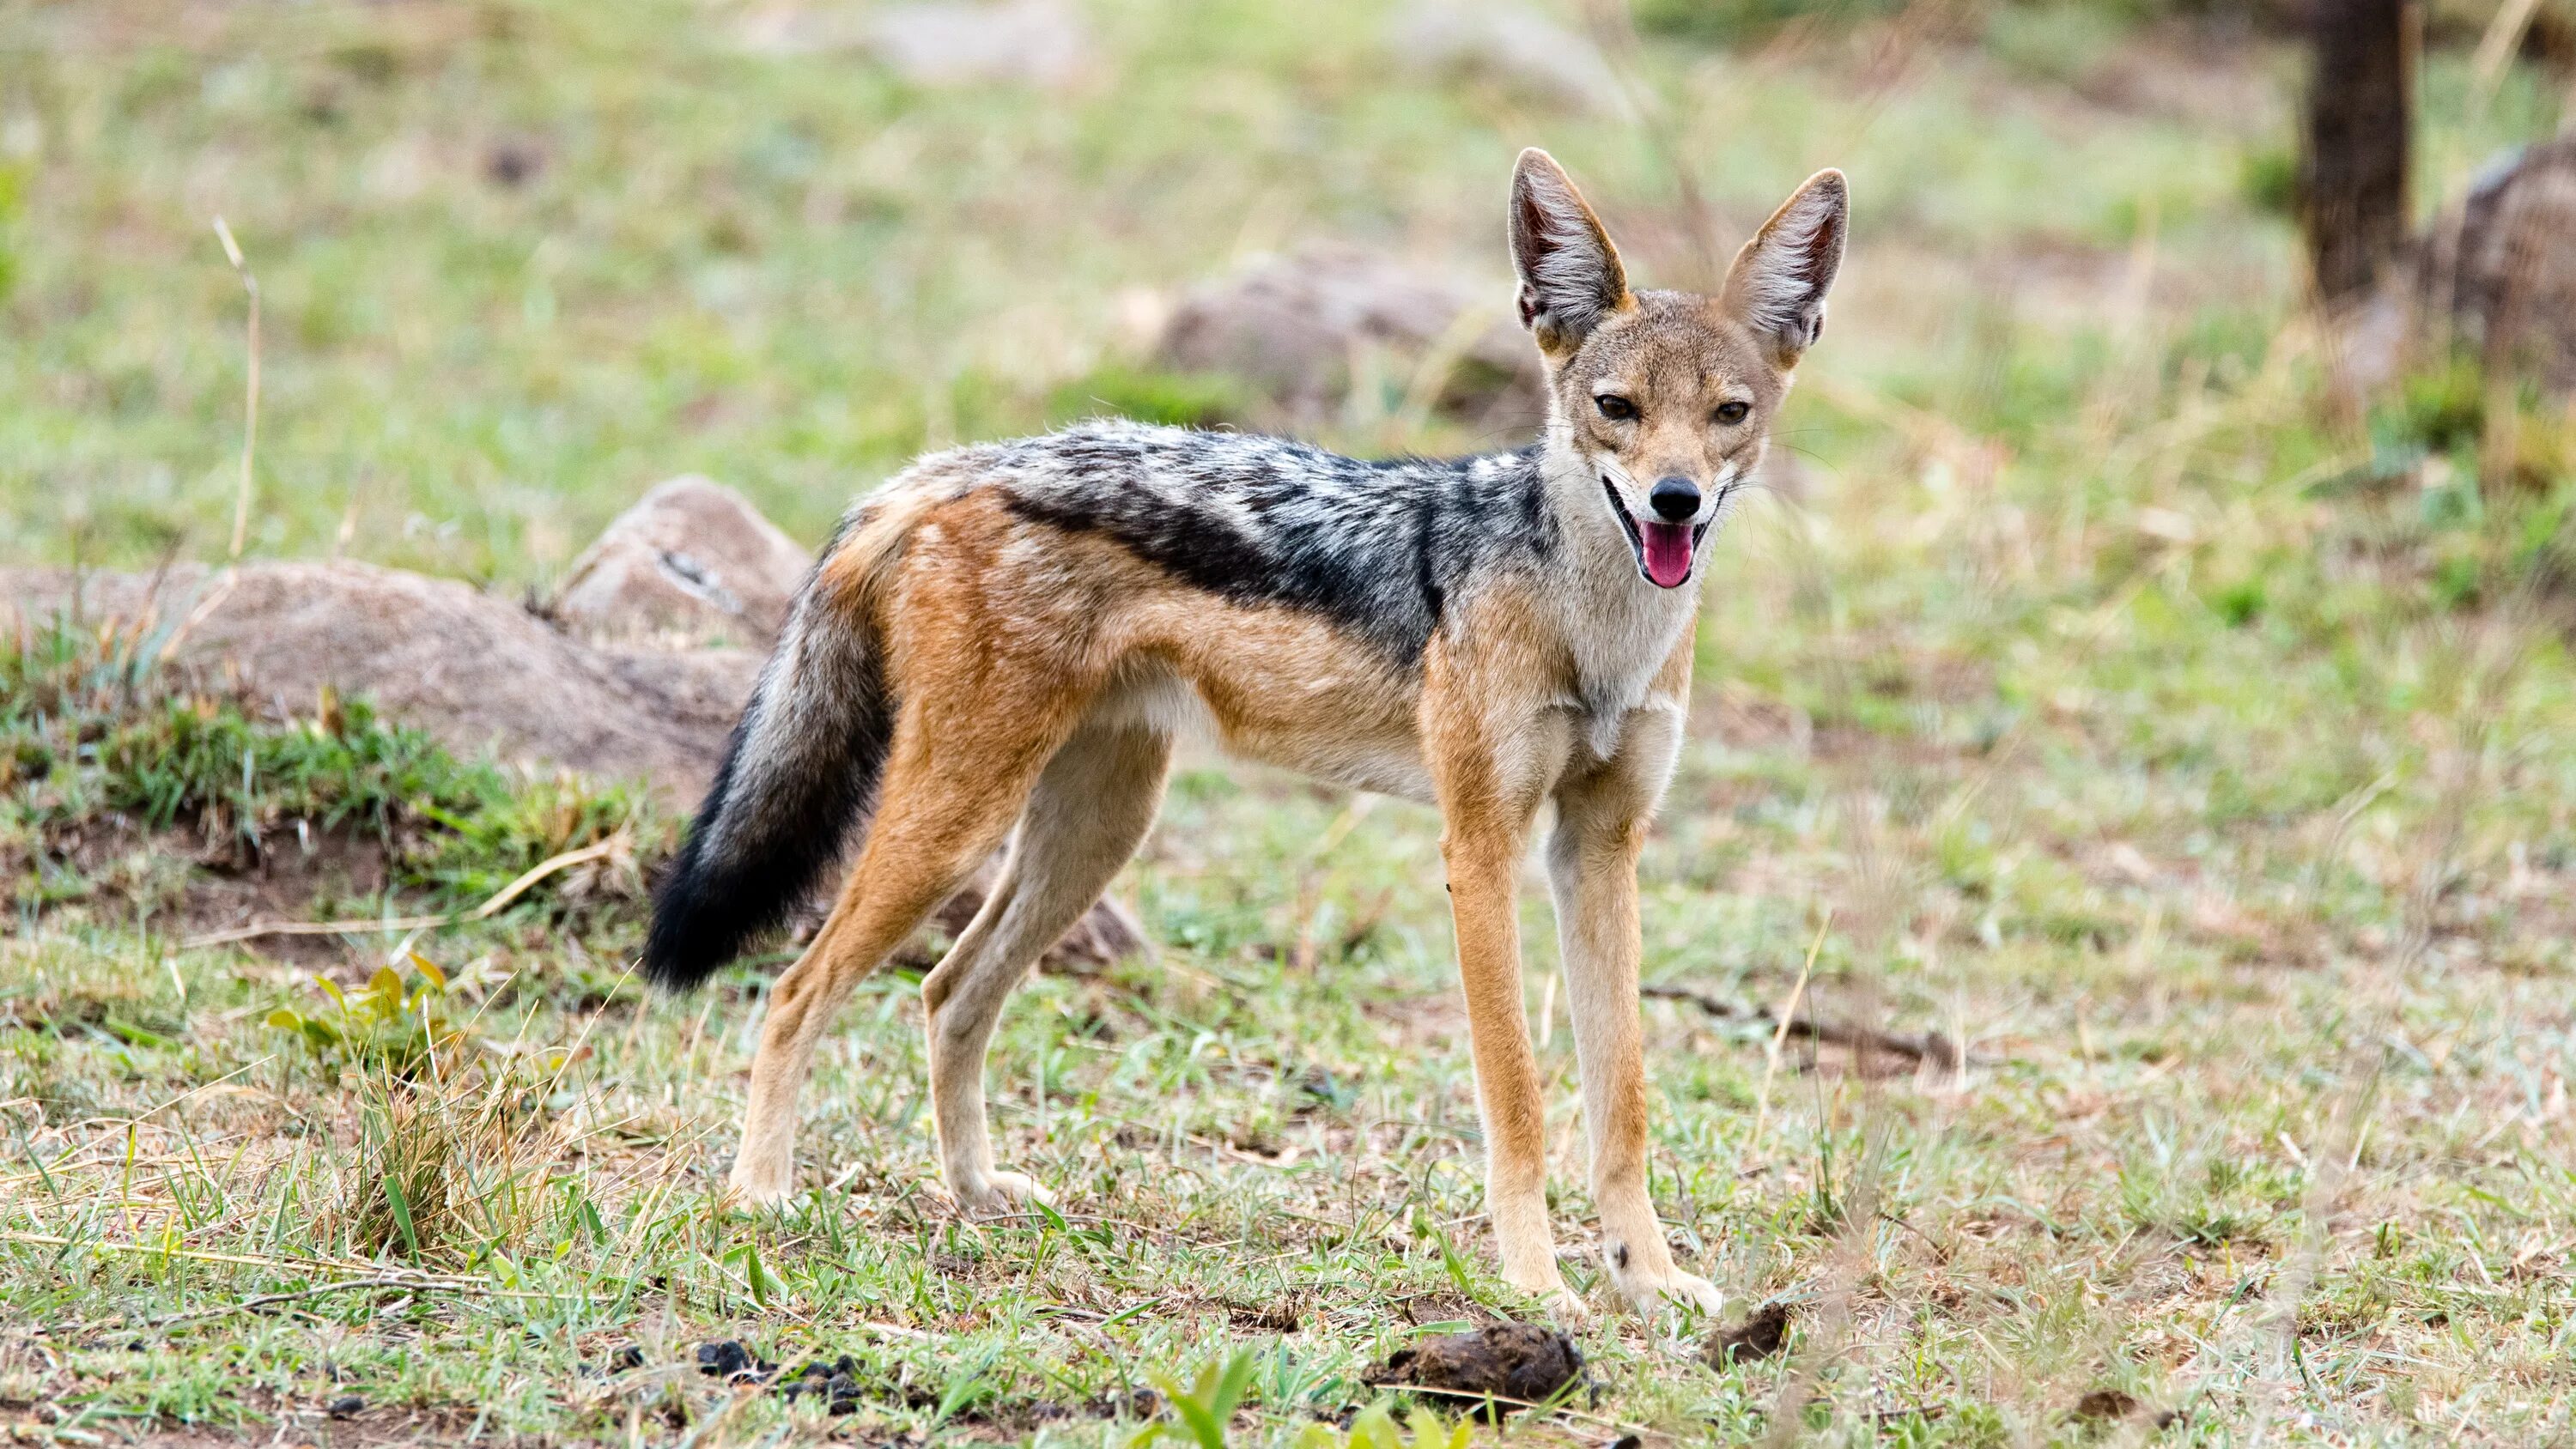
(694,933)
(674,975)
(678,965)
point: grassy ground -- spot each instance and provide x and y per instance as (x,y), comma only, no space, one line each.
(2105,689)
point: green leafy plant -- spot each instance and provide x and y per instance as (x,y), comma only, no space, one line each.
(1375,1428)
(387,1025)
(1206,1404)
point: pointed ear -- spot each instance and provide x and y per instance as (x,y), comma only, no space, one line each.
(1778,283)
(1570,277)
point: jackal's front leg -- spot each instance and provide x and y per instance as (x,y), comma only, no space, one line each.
(1484,857)
(1495,747)
(1592,873)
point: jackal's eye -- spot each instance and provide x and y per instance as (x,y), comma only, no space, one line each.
(1730,413)
(1614,407)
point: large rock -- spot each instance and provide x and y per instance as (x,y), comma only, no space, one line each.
(957,42)
(1510,44)
(2497,279)
(477,672)
(935,42)
(1303,328)
(691,561)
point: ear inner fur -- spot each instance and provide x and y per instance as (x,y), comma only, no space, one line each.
(1778,282)
(1570,274)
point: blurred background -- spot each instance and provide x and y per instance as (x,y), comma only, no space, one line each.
(520,261)
(2146,672)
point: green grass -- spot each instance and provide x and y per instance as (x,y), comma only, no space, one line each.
(2108,693)
(107,770)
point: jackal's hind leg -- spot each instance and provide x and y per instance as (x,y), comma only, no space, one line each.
(934,822)
(1091,807)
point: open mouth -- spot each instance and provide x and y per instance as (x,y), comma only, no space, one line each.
(1663,549)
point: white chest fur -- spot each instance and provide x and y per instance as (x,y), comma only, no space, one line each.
(1618,628)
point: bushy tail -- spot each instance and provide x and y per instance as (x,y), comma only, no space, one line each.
(800,770)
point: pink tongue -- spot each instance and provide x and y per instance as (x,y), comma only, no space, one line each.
(1668,553)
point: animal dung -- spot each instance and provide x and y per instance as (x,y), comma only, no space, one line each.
(1756,1338)
(728,1360)
(835,1384)
(1508,1365)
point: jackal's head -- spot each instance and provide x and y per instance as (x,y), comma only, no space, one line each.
(1668,397)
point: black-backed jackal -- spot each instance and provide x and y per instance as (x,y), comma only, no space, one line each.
(1011,635)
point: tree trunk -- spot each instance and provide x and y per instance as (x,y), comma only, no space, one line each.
(2360,110)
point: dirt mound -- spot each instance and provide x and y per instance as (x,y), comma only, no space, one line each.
(482,673)
(477,672)
(1306,329)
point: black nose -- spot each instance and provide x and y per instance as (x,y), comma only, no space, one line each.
(1674,499)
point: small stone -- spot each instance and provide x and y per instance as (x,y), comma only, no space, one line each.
(514,163)
(727,1359)
(2496,277)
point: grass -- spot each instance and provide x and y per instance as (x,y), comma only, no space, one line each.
(2105,689)
(109,771)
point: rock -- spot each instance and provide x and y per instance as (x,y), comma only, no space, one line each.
(1511,44)
(936,42)
(1511,1363)
(1294,327)
(690,561)
(1038,42)
(478,673)
(2497,278)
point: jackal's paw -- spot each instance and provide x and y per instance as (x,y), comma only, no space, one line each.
(998,1192)
(1651,1293)
(1548,1287)
(1567,1309)
(754,1185)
